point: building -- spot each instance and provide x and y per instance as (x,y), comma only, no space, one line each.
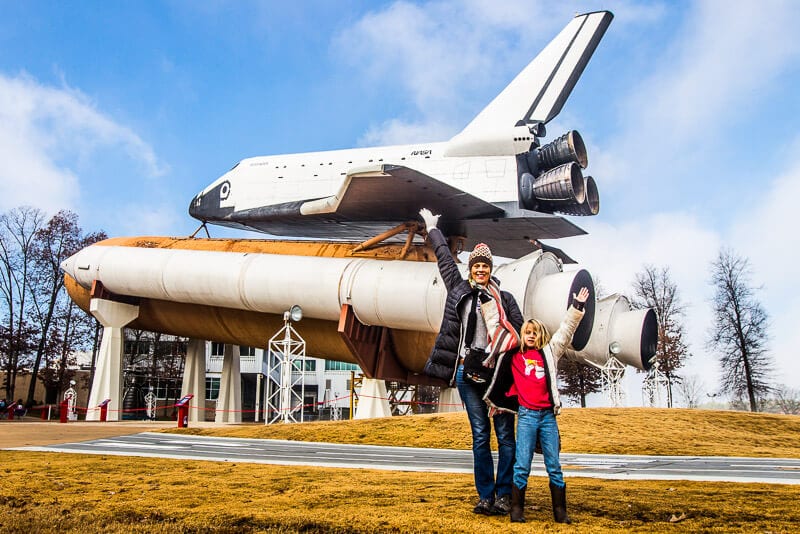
(324,385)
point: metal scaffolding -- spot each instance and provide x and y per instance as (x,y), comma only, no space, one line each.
(612,373)
(286,376)
(402,398)
(655,389)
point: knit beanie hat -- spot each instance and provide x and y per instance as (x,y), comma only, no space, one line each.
(480,253)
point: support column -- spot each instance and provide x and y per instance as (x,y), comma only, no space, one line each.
(259,382)
(194,379)
(229,403)
(450,401)
(107,382)
(373,400)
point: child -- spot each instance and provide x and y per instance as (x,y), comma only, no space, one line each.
(534,369)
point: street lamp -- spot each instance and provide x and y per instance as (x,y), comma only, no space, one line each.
(294,314)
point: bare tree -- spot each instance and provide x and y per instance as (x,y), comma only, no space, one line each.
(691,389)
(60,238)
(578,379)
(787,400)
(17,230)
(740,330)
(72,330)
(654,288)
(599,288)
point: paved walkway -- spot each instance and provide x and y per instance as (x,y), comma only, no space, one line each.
(261,451)
(33,432)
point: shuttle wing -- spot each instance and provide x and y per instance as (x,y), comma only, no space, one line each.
(373,200)
(394,192)
(512,237)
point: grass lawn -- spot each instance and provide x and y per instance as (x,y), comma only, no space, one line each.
(50,492)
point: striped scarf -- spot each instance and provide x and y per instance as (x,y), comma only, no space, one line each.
(502,335)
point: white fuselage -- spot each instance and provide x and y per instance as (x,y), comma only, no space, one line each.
(269,180)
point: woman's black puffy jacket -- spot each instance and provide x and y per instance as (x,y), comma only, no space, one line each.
(444,357)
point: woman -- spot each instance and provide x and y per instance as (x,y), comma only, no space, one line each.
(479,323)
(526,382)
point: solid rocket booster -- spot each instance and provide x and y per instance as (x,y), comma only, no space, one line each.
(215,290)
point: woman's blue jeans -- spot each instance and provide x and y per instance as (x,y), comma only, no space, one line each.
(483,463)
(531,423)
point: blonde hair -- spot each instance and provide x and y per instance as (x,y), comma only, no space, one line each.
(536,326)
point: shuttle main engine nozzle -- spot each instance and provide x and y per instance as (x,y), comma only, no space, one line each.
(551,181)
(627,334)
(566,149)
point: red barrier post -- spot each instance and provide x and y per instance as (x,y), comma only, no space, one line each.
(45,408)
(63,412)
(11,409)
(183,410)
(104,410)
(183,416)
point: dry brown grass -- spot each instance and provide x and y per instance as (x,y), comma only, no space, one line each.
(47,492)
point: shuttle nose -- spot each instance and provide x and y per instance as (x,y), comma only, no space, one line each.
(196,205)
(68,266)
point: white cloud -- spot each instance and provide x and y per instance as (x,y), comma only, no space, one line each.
(147,219)
(766,231)
(767,235)
(398,132)
(47,135)
(686,244)
(28,177)
(722,63)
(709,77)
(615,252)
(450,57)
(445,56)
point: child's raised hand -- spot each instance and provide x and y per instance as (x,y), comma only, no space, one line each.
(582,296)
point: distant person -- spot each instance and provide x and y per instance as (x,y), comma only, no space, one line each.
(479,322)
(3,407)
(20,410)
(527,382)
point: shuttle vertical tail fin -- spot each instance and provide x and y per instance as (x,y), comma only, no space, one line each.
(538,93)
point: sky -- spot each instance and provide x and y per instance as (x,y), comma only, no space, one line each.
(122,112)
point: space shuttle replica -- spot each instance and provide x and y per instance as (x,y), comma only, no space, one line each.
(346,243)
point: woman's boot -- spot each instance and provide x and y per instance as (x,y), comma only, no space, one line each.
(518,504)
(559,497)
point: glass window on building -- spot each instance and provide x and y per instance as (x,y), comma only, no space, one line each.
(247,351)
(331,365)
(212,388)
(137,347)
(308,366)
(167,389)
(217,350)
(310,401)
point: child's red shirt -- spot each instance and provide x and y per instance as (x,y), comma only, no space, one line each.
(530,381)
